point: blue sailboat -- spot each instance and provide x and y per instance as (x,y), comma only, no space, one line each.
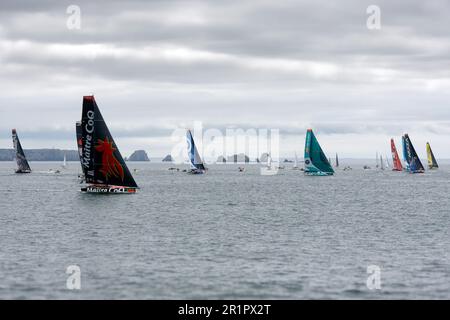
(196,164)
(413,163)
(316,162)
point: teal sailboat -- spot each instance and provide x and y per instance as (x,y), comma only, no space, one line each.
(316,163)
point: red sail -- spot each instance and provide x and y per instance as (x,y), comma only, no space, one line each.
(395,158)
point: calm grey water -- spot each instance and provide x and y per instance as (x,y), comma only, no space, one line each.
(226,235)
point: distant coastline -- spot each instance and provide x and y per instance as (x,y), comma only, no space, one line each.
(41,155)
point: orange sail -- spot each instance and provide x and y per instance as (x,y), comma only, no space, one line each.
(395,159)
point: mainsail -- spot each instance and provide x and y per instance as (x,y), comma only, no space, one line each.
(101,160)
(414,165)
(195,160)
(432,163)
(295,162)
(22,163)
(397,164)
(316,163)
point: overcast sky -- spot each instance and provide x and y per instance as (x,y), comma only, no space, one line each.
(155,66)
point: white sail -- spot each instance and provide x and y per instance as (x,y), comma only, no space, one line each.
(381,163)
(296,161)
(64,161)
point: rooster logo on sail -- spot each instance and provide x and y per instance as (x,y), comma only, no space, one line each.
(111,167)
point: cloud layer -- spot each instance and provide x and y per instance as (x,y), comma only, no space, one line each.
(155,66)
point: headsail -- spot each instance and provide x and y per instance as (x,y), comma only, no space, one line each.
(101,159)
(414,163)
(22,163)
(316,163)
(397,164)
(195,160)
(432,163)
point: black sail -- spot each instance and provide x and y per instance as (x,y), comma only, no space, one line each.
(101,159)
(21,160)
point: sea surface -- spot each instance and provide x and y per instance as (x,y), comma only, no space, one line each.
(227,235)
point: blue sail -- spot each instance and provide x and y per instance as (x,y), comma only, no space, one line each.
(195,160)
(414,165)
(316,162)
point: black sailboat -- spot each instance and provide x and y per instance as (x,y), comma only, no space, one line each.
(104,169)
(22,163)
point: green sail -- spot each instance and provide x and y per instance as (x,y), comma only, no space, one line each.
(316,163)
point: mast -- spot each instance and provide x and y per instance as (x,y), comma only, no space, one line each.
(22,163)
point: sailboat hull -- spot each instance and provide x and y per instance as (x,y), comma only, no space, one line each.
(196,171)
(22,171)
(108,190)
(317,173)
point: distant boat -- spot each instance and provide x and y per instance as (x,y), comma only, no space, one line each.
(196,163)
(64,165)
(376,160)
(432,163)
(295,167)
(22,163)
(381,162)
(104,169)
(413,164)
(337,161)
(386,162)
(397,164)
(316,163)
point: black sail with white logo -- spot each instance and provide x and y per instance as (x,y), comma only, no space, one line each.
(101,159)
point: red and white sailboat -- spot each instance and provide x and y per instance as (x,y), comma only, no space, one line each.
(397,164)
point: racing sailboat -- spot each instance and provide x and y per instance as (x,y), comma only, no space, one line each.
(295,167)
(104,169)
(413,163)
(316,163)
(381,163)
(397,164)
(22,163)
(196,164)
(432,163)
(64,165)
(337,161)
